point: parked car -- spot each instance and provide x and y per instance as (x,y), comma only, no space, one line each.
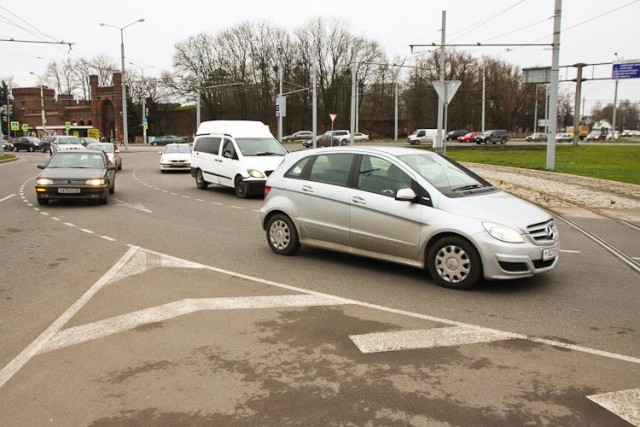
(65,143)
(78,174)
(167,139)
(324,140)
(493,136)
(407,206)
(343,135)
(596,135)
(26,143)
(175,157)
(298,136)
(45,143)
(469,137)
(454,134)
(422,135)
(564,137)
(240,154)
(359,136)
(7,146)
(537,137)
(110,149)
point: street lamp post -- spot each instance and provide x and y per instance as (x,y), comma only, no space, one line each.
(44,118)
(144,106)
(124,86)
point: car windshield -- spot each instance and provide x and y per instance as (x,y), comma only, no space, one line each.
(260,147)
(77,160)
(449,177)
(107,148)
(70,140)
(177,149)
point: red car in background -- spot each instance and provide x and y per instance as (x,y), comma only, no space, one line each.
(470,137)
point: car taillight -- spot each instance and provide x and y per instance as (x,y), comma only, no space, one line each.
(266,190)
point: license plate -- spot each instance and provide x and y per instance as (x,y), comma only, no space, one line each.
(549,253)
(68,190)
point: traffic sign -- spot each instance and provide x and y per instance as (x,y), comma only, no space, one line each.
(15,125)
(446,89)
(25,127)
(67,125)
(332,117)
(626,70)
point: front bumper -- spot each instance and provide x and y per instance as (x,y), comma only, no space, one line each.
(53,192)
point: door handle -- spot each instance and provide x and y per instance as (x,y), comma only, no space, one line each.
(307,189)
(358,200)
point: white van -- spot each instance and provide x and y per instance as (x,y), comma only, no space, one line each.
(422,135)
(235,153)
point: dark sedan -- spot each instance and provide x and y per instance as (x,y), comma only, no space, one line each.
(26,143)
(323,141)
(7,146)
(82,175)
(167,139)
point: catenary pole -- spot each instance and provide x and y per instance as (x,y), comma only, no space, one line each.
(555,75)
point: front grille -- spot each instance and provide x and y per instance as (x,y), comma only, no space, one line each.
(67,182)
(543,232)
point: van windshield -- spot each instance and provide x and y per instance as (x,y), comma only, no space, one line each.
(260,147)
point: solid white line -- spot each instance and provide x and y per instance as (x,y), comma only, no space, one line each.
(567,251)
(636,258)
(129,321)
(426,338)
(625,404)
(34,348)
(7,198)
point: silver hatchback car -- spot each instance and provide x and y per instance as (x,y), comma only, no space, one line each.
(408,206)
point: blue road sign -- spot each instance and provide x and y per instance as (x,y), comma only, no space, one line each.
(626,70)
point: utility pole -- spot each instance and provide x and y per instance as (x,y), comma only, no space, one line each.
(553,101)
(577,113)
(535,113)
(354,88)
(484,91)
(280,103)
(314,96)
(438,142)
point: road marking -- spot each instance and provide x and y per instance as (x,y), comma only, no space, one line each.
(34,348)
(7,198)
(636,258)
(55,218)
(87,231)
(625,404)
(136,206)
(45,213)
(129,321)
(567,251)
(111,239)
(426,338)
(69,224)
(199,200)
(217,203)
(236,207)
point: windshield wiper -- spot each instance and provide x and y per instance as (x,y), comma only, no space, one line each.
(267,153)
(468,187)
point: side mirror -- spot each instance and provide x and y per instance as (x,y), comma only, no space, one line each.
(111,167)
(406,195)
(40,166)
(159,152)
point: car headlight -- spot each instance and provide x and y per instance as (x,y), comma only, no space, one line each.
(503,233)
(255,173)
(95,181)
(44,181)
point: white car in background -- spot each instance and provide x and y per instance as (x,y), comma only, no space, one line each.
(359,136)
(112,152)
(175,157)
(65,143)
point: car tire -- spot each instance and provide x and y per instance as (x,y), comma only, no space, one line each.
(454,263)
(282,235)
(344,142)
(200,182)
(42,201)
(503,141)
(240,187)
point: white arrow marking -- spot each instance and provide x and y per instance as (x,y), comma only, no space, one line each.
(426,338)
(625,404)
(137,206)
(127,322)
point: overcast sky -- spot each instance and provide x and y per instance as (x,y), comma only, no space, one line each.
(592,30)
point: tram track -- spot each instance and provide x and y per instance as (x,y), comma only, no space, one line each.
(588,195)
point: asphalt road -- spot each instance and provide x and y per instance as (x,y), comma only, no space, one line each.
(166,307)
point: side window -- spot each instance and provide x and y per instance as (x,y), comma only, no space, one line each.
(228,150)
(331,168)
(421,133)
(380,176)
(296,170)
(207,144)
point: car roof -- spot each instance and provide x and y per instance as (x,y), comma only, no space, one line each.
(365,149)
